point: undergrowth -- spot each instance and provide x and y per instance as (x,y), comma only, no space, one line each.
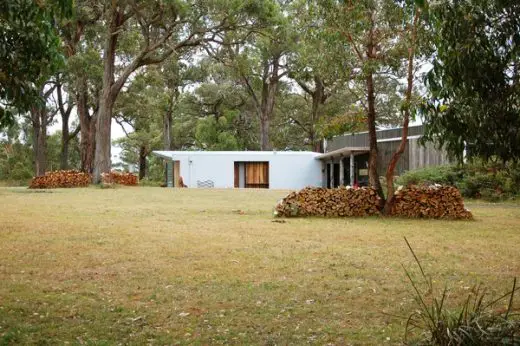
(477,321)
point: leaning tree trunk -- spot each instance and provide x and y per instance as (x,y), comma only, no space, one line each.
(404,138)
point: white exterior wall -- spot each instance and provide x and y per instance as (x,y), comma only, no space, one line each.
(287,170)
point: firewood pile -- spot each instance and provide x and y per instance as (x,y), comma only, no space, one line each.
(436,201)
(119,178)
(56,179)
(313,201)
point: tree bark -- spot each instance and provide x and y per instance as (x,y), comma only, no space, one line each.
(87,125)
(373,175)
(65,140)
(167,135)
(142,162)
(318,100)
(371,54)
(404,137)
(65,132)
(102,159)
(39,129)
(270,84)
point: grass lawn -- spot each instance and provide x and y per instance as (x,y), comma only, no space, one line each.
(182,266)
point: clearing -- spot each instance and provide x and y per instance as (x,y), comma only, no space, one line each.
(179,266)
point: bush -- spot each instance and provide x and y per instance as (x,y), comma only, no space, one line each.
(489,181)
(443,175)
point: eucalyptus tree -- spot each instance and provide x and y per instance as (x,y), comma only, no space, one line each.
(381,37)
(82,74)
(29,52)
(227,114)
(161,28)
(65,105)
(317,64)
(474,84)
(259,62)
(140,107)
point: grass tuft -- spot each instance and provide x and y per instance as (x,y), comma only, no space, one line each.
(474,322)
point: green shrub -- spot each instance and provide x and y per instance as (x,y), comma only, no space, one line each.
(444,175)
(489,181)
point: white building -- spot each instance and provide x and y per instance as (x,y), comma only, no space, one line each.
(242,169)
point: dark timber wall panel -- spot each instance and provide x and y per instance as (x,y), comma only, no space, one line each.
(361,139)
(386,150)
(415,155)
(425,156)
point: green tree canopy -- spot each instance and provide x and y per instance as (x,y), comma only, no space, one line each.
(29,51)
(474,83)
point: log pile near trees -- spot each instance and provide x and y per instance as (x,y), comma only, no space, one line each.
(436,201)
(440,202)
(119,178)
(56,179)
(312,201)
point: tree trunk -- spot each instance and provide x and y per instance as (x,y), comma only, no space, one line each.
(65,139)
(269,90)
(371,54)
(265,143)
(373,175)
(167,136)
(318,100)
(87,125)
(39,129)
(167,130)
(404,137)
(142,162)
(102,159)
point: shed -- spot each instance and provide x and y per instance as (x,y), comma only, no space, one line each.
(243,169)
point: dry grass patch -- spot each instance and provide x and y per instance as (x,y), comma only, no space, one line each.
(180,266)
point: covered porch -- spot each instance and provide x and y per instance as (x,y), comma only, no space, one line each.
(345,167)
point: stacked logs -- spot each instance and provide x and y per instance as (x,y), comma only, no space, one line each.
(56,179)
(119,178)
(312,201)
(436,201)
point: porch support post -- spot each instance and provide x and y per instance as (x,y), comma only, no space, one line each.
(341,172)
(352,175)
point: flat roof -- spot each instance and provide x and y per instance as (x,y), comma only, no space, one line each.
(343,152)
(170,154)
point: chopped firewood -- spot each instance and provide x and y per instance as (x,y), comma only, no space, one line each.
(436,201)
(56,179)
(340,202)
(119,178)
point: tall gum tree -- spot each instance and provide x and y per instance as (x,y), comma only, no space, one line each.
(380,34)
(259,62)
(163,28)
